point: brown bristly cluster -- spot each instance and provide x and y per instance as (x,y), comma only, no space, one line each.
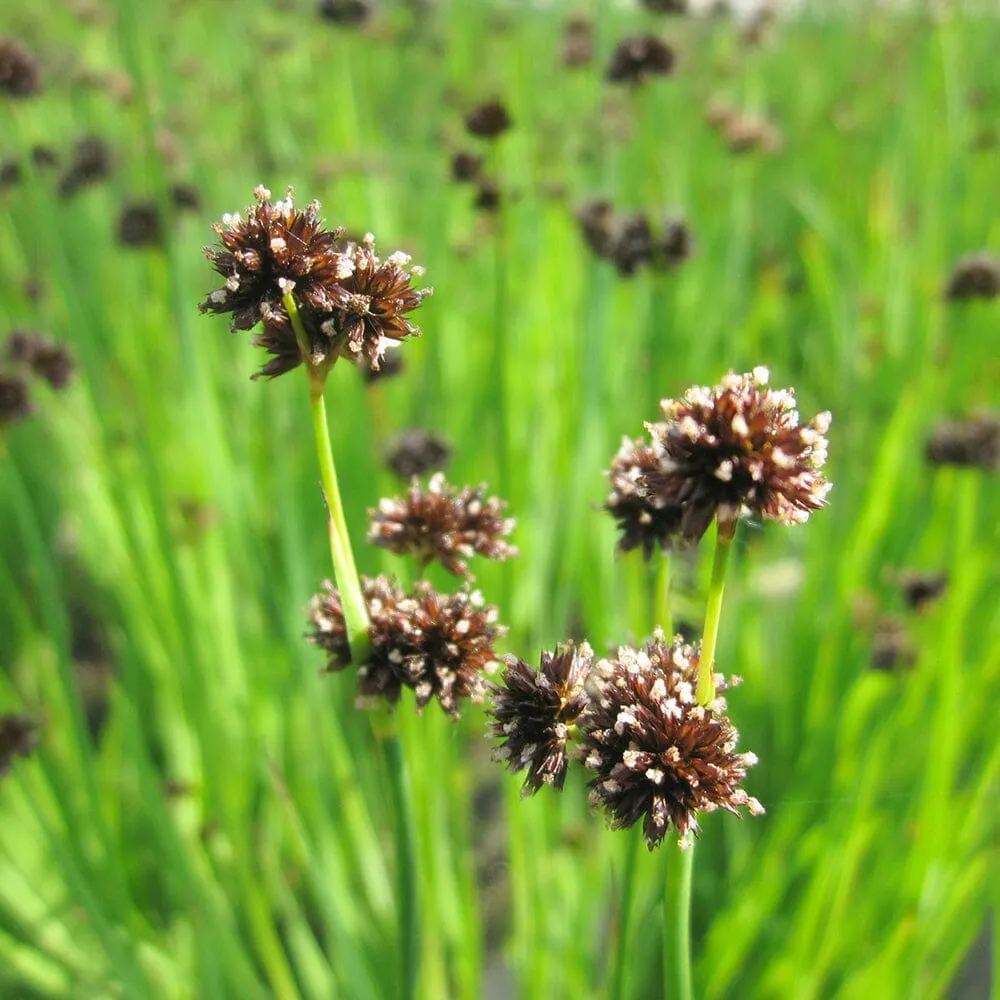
(415,452)
(465,166)
(972,442)
(666,6)
(639,57)
(92,162)
(19,73)
(892,647)
(443,523)
(350,301)
(737,448)
(644,521)
(139,224)
(631,241)
(533,711)
(659,757)
(29,356)
(18,738)
(578,41)
(488,120)
(349,12)
(975,276)
(922,588)
(437,645)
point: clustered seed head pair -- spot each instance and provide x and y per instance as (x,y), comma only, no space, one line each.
(656,755)
(350,302)
(29,356)
(719,453)
(631,241)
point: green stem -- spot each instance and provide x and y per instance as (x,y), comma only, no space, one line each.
(661,597)
(713,612)
(622,955)
(682,901)
(344,569)
(406,868)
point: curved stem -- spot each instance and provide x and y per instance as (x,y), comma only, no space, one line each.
(713,612)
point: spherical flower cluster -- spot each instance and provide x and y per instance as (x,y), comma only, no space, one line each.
(736,448)
(438,645)
(349,302)
(444,523)
(533,710)
(658,755)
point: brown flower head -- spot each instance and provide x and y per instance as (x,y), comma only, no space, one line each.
(139,224)
(416,452)
(19,73)
(666,6)
(439,645)
(921,588)
(971,443)
(489,197)
(674,244)
(659,756)
(643,518)
(15,400)
(597,220)
(632,245)
(184,197)
(639,57)
(976,276)
(737,447)
(17,739)
(352,12)
(43,358)
(465,166)
(533,711)
(444,523)
(578,41)
(892,647)
(10,174)
(92,162)
(488,120)
(371,303)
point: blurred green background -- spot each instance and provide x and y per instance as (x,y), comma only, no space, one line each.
(206,815)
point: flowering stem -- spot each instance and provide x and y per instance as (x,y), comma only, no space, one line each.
(406,867)
(662,615)
(713,612)
(677,932)
(622,956)
(344,569)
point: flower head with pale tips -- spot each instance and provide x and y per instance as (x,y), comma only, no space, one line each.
(660,757)
(437,645)
(737,448)
(443,523)
(534,710)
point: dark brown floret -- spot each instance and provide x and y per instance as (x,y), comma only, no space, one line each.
(892,647)
(353,12)
(973,442)
(139,224)
(659,756)
(438,645)
(921,588)
(666,6)
(389,367)
(44,156)
(10,173)
(42,357)
(489,119)
(639,57)
(18,738)
(976,276)
(19,72)
(596,219)
(443,523)
(371,304)
(674,244)
(465,166)
(533,711)
(632,245)
(184,197)
(578,41)
(92,162)
(15,400)
(488,195)
(738,446)
(643,520)
(415,452)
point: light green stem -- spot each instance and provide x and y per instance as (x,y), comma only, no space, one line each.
(622,955)
(662,614)
(683,930)
(713,612)
(344,569)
